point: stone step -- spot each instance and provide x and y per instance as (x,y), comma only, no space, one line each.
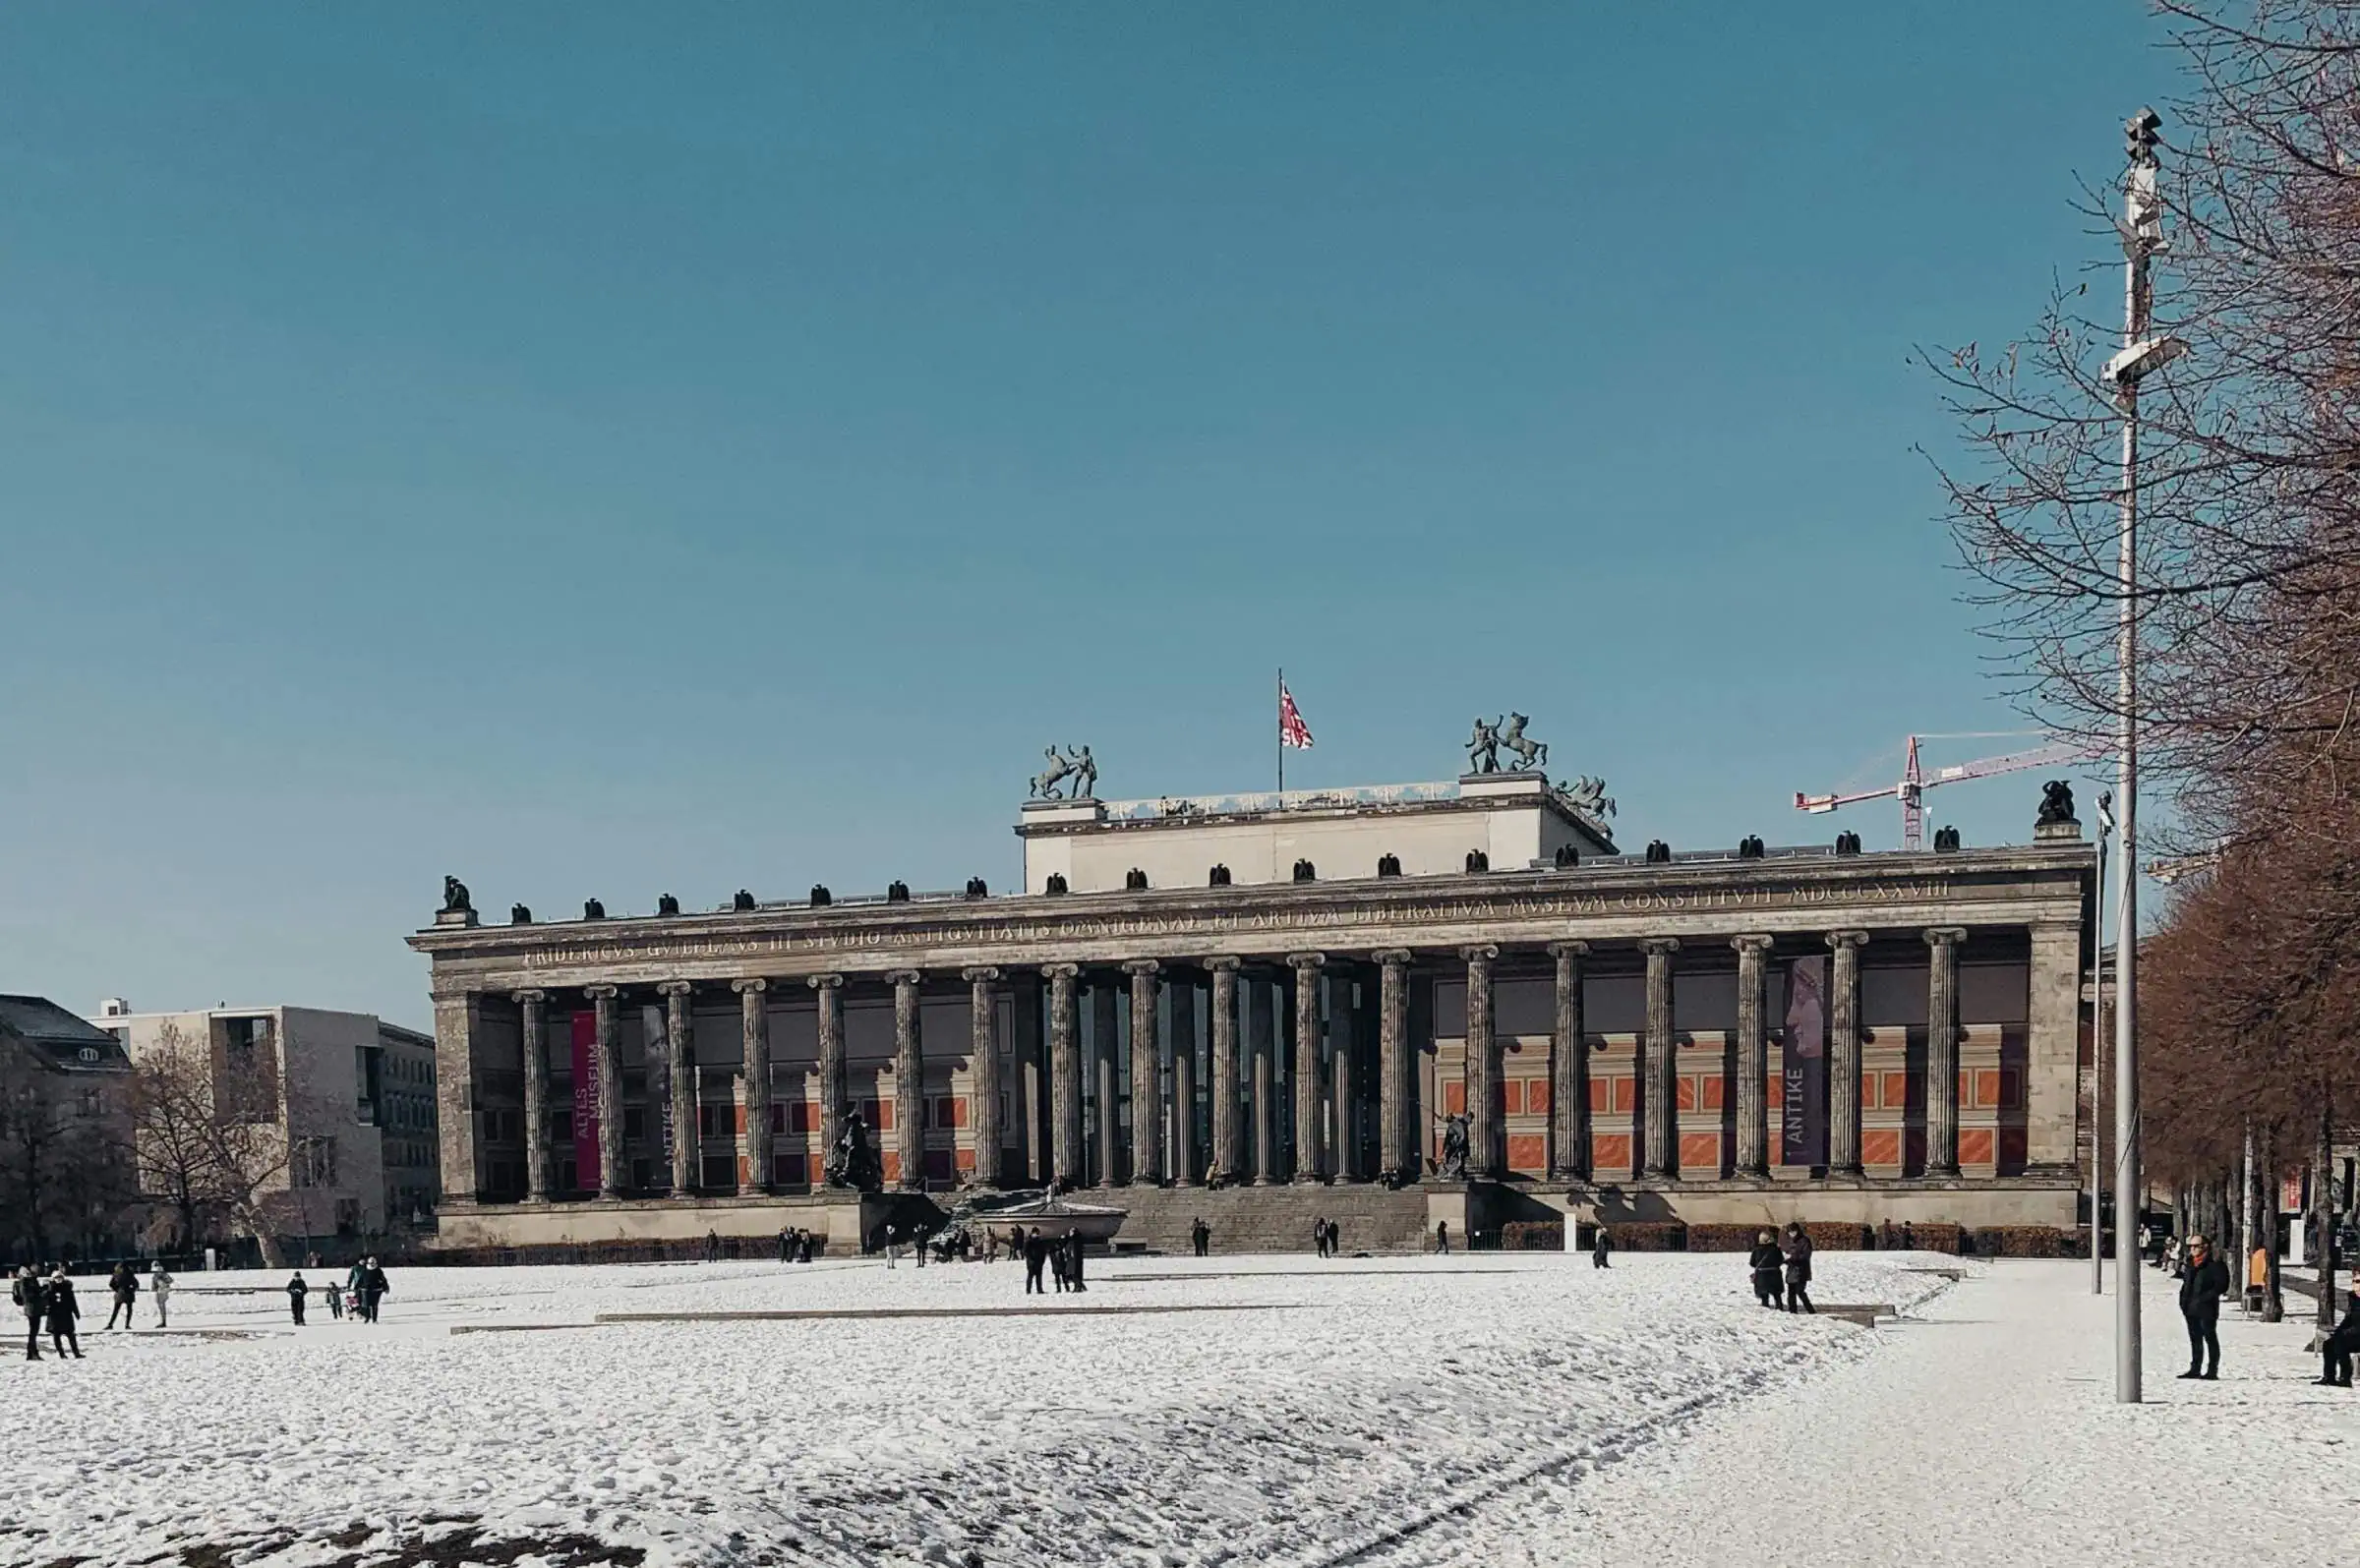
(1267,1219)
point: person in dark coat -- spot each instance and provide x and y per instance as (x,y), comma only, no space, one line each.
(124,1286)
(1199,1237)
(63,1313)
(1441,1236)
(297,1290)
(1769,1268)
(1798,1270)
(2203,1285)
(1073,1261)
(786,1244)
(26,1291)
(374,1289)
(1599,1246)
(811,1245)
(2338,1351)
(1318,1236)
(1335,1239)
(1037,1257)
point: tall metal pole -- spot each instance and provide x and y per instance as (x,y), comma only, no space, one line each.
(2141,237)
(2097,1063)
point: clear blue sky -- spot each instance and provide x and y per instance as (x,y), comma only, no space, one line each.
(604,450)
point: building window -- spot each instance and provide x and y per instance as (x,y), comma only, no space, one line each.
(312,1162)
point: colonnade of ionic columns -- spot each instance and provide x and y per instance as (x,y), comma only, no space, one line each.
(1264,1020)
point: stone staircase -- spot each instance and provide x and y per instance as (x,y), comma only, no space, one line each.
(1266,1219)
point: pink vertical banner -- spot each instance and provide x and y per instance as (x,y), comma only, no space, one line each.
(585,1101)
(1803,1125)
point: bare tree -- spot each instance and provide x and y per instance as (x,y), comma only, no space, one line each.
(63,1174)
(2248,598)
(211,1138)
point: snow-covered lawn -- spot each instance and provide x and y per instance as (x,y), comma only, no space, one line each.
(1435,1410)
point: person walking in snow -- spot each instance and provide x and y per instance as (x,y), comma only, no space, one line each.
(335,1298)
(1318,1236)
(1798,1270)
(124,1286)
(26,1292)
(160,1292)
(1441,1238)
(2205,1280)
(1769,1265)
(1199,1237)
(2337,1349)
(1037,1257)
(1073,1261)
(297,1292)
(1335,1239)
(1599,1246)
(63,1313)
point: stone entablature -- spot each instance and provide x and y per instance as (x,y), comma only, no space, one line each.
(1615,903)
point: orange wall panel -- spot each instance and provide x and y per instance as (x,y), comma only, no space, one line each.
(1528,1151)
(1975,1145)
(1880,1146)
(1700,1152)
(1609,1152)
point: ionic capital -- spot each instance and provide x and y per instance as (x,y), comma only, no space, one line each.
(825,982)
(1394,958)
(528,999)
(1944,936)
(601,993)
(1224,962)
(980,974)
(1306,961)
(1848,939)
(1568,950)
(1753,943)
(1659,946)
(898,978)
(749,987)
(673,987)
(1479,952)
(1140,967)
(1060,971)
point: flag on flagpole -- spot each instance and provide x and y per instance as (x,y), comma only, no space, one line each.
(1292,731)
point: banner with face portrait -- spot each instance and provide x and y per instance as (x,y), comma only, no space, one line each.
(1804,1119)
(653,1030)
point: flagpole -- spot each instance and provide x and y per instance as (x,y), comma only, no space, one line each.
(1281,731)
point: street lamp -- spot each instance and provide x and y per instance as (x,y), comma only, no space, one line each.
(2142,231)
(2097,1059)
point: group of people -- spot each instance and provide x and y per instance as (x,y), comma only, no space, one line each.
(1327,1238)
(795,1245)
(1782,1273)
(1060,1256)
(49,1302)
(363,1289)
(2205,1282)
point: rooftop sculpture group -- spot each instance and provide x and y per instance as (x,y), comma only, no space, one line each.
(1484,746)
(1079,766)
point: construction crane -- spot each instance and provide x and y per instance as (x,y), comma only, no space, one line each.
(1915,782)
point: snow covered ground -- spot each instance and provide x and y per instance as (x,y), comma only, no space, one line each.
(1506,1409)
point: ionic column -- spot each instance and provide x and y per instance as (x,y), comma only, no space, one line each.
(1943,1050)
(983,1072)
(1753,1059)
(1228,1142)
(1146,1109)
(1341,1146)
(1568,1070)
(754,1024)
(680,1068)
(1485,1153)
(1107,1132)
(1262,1039)
(533,1026)
(908,1082)
(1843,1054)
(1398,1143)
(1184,1084)
(833,1097)
(609,1091)
(1065,1077)
(1659,1073)
(1308,1166)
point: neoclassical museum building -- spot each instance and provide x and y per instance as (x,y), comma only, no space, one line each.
(1258,1009)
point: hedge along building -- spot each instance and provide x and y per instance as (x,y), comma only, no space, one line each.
(1263,1009)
